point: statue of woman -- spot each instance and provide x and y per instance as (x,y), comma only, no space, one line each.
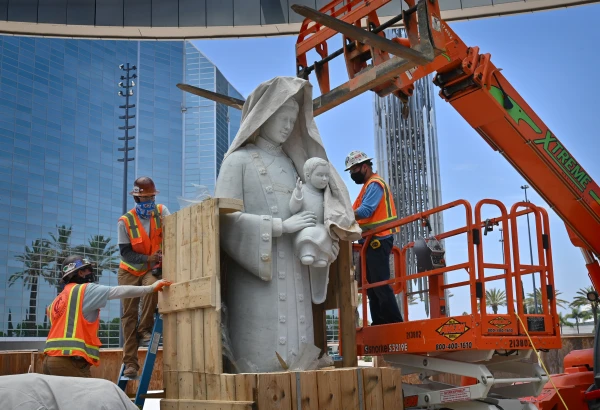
(268,289)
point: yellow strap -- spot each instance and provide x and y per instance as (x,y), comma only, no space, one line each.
(539,356)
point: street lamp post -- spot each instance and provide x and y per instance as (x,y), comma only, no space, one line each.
(535,304)
(126,84)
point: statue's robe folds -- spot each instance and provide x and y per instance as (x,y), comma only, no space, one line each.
(268,295)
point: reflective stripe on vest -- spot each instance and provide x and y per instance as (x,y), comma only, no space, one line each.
(384,212)
(133,231)
(69,342)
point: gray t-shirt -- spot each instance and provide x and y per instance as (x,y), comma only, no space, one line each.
(96,296)
(123,237)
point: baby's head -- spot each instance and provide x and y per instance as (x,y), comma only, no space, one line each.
(316,172)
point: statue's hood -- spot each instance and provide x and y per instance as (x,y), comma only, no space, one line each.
(303,143)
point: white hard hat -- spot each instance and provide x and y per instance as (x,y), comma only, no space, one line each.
(356,157)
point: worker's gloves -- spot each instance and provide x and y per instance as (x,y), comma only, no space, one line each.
(160,284)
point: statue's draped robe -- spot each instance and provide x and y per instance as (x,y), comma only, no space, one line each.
(268,294)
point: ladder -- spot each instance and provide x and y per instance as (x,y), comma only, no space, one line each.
(148,368)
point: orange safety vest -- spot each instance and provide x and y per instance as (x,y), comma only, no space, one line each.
(140,241)
(385,211)
(70,333)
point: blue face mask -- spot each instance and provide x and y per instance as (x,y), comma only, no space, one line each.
(145,209)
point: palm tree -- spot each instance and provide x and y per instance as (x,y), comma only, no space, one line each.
(495,298)
(581,300)
(578,315)
(412,300)
(563,321)
(99,251)
(36,260)
(530,301)
(61,249)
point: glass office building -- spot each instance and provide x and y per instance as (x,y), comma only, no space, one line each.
(60,182)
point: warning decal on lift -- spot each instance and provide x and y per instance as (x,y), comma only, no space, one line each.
(452,329)
(452,395)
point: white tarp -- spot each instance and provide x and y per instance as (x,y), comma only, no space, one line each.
(33,391)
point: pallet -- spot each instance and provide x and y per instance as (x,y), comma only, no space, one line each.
(192,352)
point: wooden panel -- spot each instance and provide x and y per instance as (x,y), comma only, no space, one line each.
(170,382)
(213,361)
(349,388)
(330,396)
(228,387)
(347,318)
(274,391)
(245,387)
(213,386)
(193,294)
(318,312)
(391,386)
(184,319)
(15,362)
(372,388)
(200,386)
(309,393)
(197,268)
(205,405)
(229,205)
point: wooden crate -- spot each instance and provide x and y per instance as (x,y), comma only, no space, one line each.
(192,355)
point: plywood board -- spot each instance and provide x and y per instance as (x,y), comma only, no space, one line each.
(330,396)
(349,388)
(192,294)
(391,386)
(304,384)
(245,386)
(205,405)
(228,387)
(372,388)
(274,391)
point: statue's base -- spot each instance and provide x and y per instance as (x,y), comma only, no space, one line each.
(367,388)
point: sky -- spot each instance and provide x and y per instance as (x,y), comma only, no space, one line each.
(547,56)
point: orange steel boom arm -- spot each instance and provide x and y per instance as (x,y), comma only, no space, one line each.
(476,88)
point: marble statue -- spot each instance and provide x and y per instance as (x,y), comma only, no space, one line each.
(313,245)
(269,292)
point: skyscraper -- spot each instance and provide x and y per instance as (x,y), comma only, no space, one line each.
(60,182)
(407,157)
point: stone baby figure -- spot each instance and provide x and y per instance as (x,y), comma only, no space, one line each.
(312,245)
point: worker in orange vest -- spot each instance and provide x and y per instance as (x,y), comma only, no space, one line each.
(375,206)
(140,242)
(72,346)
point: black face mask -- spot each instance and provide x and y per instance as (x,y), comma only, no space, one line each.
(358,177)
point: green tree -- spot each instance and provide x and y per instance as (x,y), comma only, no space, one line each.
(495,298)
(36,260)
(530,301)
(100,252)
(108,333)
(579,316)
(563,321)
(61,249)
(581,300)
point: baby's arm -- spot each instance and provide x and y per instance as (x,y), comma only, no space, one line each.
(297,198)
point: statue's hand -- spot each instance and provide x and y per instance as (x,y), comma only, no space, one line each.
(298,185)
(299,221)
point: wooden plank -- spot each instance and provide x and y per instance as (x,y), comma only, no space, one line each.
(192,294)
(319,326)
(347,318)
(309,394)
(184,319)
(197,271)
(274,391)
(349,388)
(170,257)
(205,405)
(330,396)
(229,205)
(391,384)
(331,302)
(199,386)
(213,386)
(245,386)
(372,388)
(228,387)
(213,361)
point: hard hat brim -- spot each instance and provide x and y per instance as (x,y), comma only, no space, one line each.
(359,162)
(69,275)
(144,193)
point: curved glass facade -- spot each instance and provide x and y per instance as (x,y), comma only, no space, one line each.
(60,182)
